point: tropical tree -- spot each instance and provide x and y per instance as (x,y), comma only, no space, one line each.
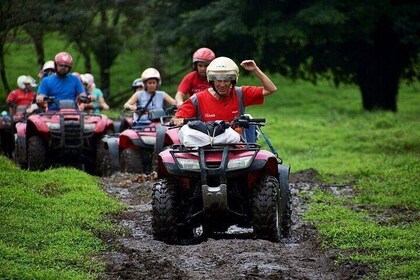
(13,15)
(374,44)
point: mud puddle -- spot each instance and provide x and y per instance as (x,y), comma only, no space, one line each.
(233,255)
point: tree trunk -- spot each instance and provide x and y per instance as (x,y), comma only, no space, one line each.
(380,69)
(37,35)
(105,81)
(3,69)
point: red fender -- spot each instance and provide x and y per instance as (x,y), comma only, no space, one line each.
(21,129)
(126,138)
(171,137)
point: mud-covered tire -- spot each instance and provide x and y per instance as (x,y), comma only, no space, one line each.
(164,212)
(37,153)
(21,159)
(100,158)
(131,161)
(285,203)
(266,209)
(106,166)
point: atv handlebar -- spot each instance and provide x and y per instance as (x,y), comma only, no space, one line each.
(84,99)
(243,121)
(49,99)
(171,110)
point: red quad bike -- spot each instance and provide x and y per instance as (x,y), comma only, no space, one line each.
(8,130)
(137,145)
(65,137)
(208,189)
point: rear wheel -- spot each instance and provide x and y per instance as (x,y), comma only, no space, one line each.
(131,162)
(266,210)
(37,152)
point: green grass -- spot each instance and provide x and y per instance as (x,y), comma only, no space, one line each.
(50,223)
(324,128)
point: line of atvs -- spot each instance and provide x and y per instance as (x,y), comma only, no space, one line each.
(202,189)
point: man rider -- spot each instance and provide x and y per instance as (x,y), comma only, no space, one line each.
(62,84)
(220,102)
(23,95)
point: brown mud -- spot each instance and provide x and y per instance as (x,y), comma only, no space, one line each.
(233,255)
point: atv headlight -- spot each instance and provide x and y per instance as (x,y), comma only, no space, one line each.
(239,163)
(188,164)
(53,126)
(89,127)
(149,140)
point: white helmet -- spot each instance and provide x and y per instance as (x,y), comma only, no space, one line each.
(222,68)
(48,65)
(136,84)
(34,84)
(150,73)
(87,79)
(22,80)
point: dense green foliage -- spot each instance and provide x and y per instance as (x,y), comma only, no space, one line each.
(374,44)
(377,154)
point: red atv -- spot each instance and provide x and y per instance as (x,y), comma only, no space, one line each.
(213,187)
(64,137)
(8,129)
(137,145)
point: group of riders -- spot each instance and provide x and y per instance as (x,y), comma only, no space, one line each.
(209,92)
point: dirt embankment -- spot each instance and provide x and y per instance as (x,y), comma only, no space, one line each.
(234,255)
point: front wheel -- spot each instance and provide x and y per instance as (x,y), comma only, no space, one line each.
(266,209)
(164,212)
(20,152)
(37,153)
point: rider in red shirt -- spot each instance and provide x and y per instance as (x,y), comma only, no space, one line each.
(220,102)
(22,96)
(196,80)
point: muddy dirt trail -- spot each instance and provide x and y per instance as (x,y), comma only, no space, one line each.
(233,255)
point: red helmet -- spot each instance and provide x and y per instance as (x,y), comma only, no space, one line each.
(64,58)
(204,55)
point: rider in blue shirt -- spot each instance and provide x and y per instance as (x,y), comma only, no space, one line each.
(62,84)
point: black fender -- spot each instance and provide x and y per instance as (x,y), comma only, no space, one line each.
(117,126)
(285,200)
(160,138)
(284,172)
(114,152)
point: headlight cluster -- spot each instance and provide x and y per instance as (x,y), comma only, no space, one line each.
(239,163)
(53,126)
(89,127)
(188,164)
(149,140)
(193,165)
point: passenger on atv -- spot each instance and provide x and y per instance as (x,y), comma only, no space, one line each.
(150,98)
(21,98)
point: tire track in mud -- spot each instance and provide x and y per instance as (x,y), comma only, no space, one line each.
(235,255)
